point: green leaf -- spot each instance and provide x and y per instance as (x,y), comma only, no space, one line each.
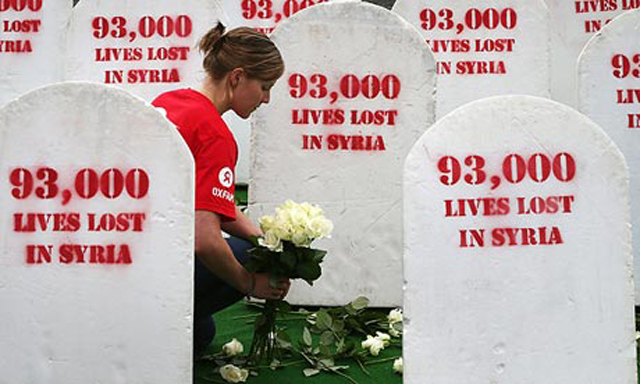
(289,260)
(306,337)
(360,303)
(308,270)
(397,327)
(318,255)
(326,363)
(340,345)
(324,320)
(338,326)
(327,338)
(308,372)
(283,340)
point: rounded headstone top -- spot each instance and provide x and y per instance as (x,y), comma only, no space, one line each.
(96,227)
(624,29)
(145,50)
(521,110)
(516,216)
(50,116)
(346,12)
(357,92)
(483,48)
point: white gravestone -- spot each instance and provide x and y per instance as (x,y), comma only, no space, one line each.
(609,93)
(96,232)
(32,36)
(518,262)
(241,129)
(483,48)
(263,16)
(144,49)
(573,23)
(335,134)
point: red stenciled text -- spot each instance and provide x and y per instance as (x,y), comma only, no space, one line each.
(72,222)
(146,27)
(500,206)
(445,19)
(470,238)
(88,183)
(336,142)
(317,86)
(15,46)
(515,168)
(21,5)
(339,117)
(138,54)
(21,26)
(139,76)
(263,9)
(79,254)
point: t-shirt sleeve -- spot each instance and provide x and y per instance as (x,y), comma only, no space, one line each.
(215,179)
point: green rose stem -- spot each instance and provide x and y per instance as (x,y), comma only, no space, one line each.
(327,368)
(381,360)
(283,365)
(264,338)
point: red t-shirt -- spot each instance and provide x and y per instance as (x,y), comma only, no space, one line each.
(212,145)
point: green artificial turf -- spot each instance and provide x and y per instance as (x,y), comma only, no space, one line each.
(235,322)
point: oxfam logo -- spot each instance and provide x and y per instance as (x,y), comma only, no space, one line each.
(225,177)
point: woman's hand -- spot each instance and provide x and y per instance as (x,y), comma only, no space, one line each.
(264,290)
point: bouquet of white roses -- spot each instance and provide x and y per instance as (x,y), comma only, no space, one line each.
(284,251)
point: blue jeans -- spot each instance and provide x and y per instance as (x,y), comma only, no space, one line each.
(213,295)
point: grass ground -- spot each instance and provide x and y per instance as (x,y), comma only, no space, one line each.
(235,321)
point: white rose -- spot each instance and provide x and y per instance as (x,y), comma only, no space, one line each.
(383,336)
(233,374)
(300,239)
(395,316)
(320,227)
(232,348)
(271,241)
(267,223)
(374,344)
(298,218)
(315,211)
(283,230)
(397,365)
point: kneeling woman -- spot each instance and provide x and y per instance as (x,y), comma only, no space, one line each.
(241,66)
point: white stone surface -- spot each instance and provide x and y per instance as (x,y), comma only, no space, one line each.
(609,93)
(32,36)
(146,66)
(500,313)
(74,322)
(241,129)
(479,54)
(573,24)
(360,190)
(263,16)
